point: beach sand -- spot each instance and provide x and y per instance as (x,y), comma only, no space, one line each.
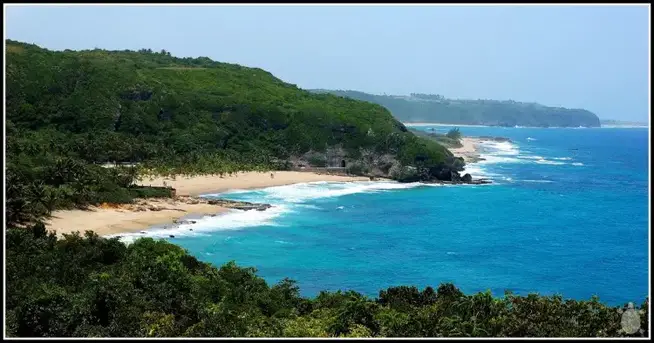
(105,220)
(470,149)
(206,184)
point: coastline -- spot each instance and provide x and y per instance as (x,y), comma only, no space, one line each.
(470,149)
(443,124)
(145,213)
(207,184)
(525,127)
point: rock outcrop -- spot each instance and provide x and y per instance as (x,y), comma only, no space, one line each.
(239,205)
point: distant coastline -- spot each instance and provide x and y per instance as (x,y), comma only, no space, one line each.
(505,113)
(443,124)
(610,123)
(604,126)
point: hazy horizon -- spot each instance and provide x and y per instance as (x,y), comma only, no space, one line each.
(590,57)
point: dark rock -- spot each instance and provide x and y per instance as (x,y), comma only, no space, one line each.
(171,236)
(466,178)
(239,205)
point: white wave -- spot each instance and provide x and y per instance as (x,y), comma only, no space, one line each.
(543,160)
(301,192)
(313,207)
(340,207)
(232,220)
(500,148)
(549,162)
(577,164)
(494,159)
(531,139)
(477,170)
(530,157)
(441,185)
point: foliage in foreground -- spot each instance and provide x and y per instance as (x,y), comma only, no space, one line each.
(96,287)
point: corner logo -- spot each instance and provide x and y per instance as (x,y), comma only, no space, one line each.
(630,321)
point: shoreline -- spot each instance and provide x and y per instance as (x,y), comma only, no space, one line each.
(209,184)
(144,214)
(524,127)
(111,220)
(471,150)
(444,124)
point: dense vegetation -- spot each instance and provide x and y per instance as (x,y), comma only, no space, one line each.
(69,112)
(437,109)
(451,139)
(96,287)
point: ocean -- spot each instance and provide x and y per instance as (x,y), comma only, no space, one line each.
(567,214)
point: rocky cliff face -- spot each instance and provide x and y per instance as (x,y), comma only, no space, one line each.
(369,163)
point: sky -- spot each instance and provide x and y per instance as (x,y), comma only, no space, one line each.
(592,57)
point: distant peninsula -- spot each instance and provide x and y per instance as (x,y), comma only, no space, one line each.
(430,108)
(620,123)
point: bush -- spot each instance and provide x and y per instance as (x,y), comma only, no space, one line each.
(357,168)
(88,286)
(317,160)
(151,192)
(454,134)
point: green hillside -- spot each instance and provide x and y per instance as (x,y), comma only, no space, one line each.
(437,109)
(69,111)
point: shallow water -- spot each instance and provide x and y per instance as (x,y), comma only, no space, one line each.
(567,214)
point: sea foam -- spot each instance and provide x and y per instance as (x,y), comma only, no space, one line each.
(232,220)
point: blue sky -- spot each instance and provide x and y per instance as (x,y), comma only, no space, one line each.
(593,57)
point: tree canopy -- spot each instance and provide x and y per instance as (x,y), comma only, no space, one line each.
(87,286)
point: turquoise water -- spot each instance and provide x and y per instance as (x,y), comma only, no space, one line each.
(567,214)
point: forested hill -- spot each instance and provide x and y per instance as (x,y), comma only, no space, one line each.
(69,111)
(134,106)
(429,108)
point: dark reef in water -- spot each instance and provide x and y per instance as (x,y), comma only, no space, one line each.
(239,205)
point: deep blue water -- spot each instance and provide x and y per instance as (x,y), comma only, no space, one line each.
(567,214)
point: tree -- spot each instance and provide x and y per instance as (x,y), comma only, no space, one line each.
(454,133)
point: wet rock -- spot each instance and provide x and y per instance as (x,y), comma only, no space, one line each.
(466,178)
(239,205)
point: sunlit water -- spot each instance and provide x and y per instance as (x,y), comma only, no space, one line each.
(567,214)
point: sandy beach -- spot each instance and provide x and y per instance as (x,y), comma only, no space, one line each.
(207,184)
(108,220)
(470,149)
